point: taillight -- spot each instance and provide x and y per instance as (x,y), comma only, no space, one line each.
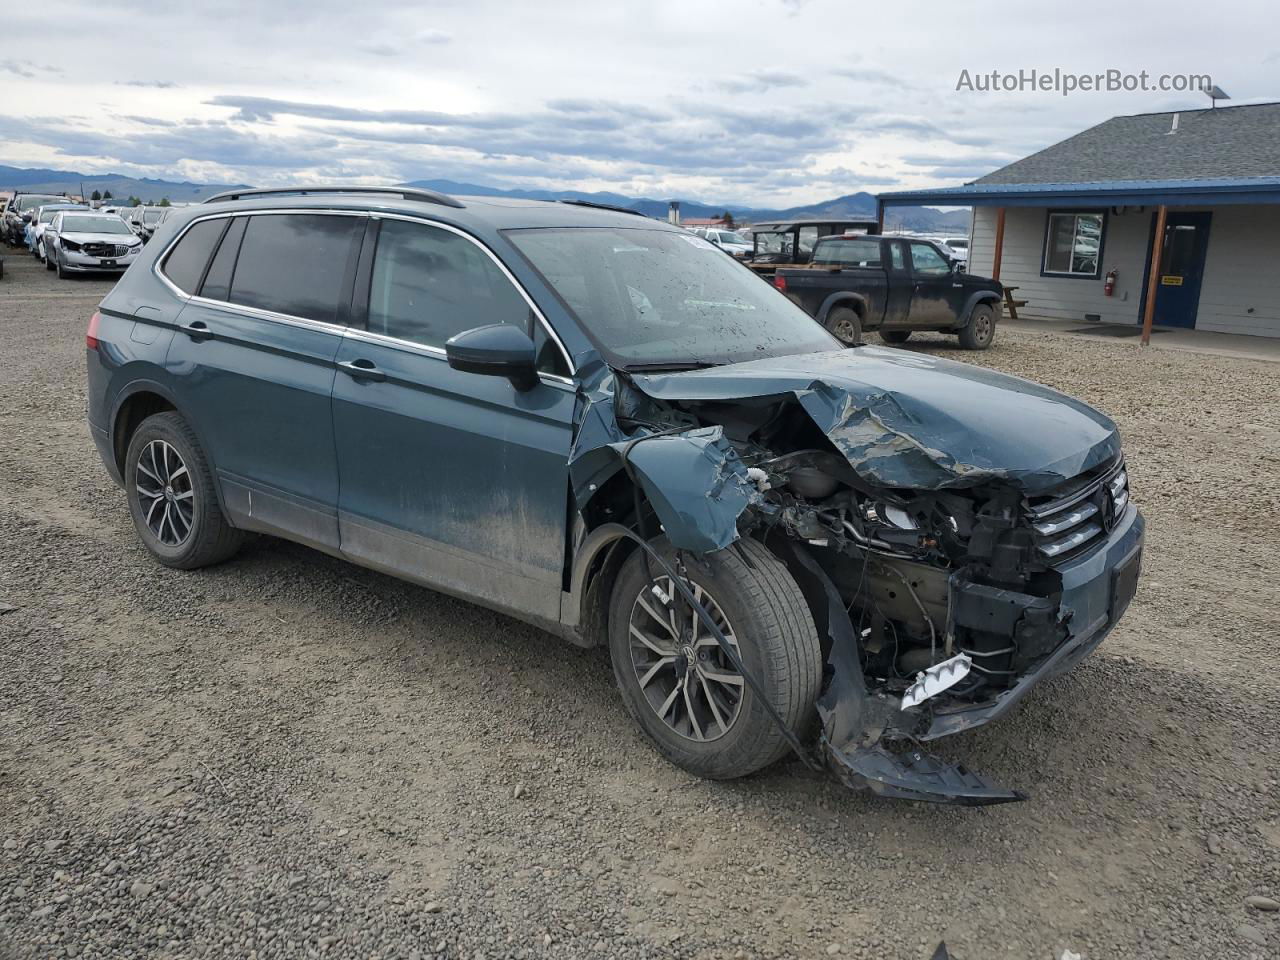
(91,336)
(780,282)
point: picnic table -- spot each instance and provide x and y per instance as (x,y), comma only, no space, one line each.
(1011,304)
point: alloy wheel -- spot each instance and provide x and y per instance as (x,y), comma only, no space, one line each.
(165,493)
(683,673)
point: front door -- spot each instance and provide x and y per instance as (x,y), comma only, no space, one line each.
(931,293)
(1186,241)
(456,480)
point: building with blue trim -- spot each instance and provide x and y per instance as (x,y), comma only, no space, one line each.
(1057,223)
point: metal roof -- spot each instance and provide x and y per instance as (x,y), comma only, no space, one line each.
(1105,192)
(1227,155)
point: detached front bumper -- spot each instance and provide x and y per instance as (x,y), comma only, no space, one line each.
(1096,590)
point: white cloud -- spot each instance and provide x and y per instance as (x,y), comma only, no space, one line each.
(751,101)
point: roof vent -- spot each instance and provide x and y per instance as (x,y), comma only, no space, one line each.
(1174,129)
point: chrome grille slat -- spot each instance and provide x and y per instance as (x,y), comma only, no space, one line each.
(1067,524)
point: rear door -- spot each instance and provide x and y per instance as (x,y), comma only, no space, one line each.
(452,479)
(254,355)
(931,288)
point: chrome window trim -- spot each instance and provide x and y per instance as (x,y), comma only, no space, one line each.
(347,330)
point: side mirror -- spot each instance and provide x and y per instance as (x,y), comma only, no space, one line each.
(498,350)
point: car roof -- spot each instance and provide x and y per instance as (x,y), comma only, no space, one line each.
(497,213)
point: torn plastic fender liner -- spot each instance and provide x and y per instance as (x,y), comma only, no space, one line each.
(853,721)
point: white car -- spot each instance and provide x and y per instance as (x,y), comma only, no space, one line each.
(959,247)
(81,242)
(729,241)
(40,221)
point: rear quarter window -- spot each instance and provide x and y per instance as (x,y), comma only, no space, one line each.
(184,266)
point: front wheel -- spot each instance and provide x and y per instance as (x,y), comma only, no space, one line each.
(846,325)
(678,683)
(981,329)
(49,259)
(172,497)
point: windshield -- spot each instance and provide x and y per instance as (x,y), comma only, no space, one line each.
(45,214)
(774,243)
(23,204)
(654,298)
(95,225)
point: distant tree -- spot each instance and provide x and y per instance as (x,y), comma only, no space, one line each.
(164,202)
(134,201)
(96,195)
(106,195)
(727,217)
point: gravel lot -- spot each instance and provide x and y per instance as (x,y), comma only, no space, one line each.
(289,756)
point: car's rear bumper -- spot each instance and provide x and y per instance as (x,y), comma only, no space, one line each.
(1089,596)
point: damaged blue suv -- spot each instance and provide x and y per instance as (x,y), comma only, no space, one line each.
(602,425)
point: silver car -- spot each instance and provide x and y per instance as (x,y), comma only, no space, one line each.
(82,242)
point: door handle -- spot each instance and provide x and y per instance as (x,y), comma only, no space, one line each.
(362,369)
(197,330)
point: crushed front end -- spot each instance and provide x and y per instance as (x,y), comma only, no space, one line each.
(950,564)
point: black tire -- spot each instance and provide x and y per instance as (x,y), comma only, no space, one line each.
(895,336)
(846,325)
(981,328)
(48,260)
(210,539)
(776,639)
(62,274)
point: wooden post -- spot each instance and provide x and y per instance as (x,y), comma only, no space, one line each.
(1153,277)
(995,266)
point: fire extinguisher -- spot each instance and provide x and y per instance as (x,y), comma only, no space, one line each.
(1109,286)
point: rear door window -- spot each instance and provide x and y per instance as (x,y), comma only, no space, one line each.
(294,263)
(217,282)
(185,264)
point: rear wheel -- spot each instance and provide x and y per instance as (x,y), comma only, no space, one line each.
(678,683)
(846,325)
(172,498)
(981,329)
(895,336)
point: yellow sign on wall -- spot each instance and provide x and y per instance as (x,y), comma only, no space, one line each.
(1171,281)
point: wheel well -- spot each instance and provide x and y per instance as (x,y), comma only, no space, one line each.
(132,412)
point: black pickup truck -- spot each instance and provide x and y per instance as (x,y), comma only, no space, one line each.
(892,285)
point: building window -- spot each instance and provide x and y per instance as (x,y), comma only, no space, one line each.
(1073,244)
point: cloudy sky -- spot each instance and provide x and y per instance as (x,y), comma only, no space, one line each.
(767,102)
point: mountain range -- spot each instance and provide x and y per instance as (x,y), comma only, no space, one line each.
(923,219)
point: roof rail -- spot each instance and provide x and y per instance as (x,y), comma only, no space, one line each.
(605,206)
(407,193)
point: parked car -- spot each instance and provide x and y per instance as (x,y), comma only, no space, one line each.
(792,242)
(148,218)
(40,223)
(576,417)
(83,242)
(730,241)
(959,248)
(892,285)
(19,212)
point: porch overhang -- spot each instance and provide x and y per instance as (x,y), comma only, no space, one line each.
(1110,193)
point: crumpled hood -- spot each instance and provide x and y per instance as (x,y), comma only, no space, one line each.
(909,420)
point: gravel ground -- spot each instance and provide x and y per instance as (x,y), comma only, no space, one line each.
(290,756)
